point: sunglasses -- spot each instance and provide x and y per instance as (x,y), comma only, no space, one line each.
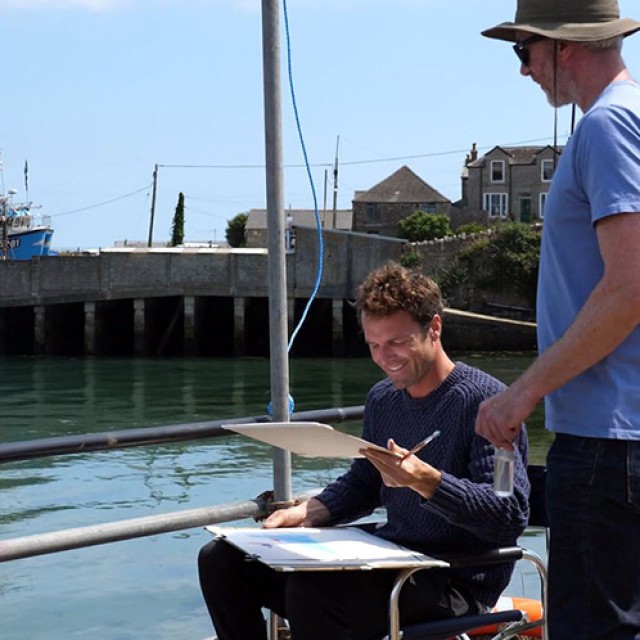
(521,48)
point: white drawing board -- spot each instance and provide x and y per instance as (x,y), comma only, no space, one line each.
(309,439)
(322,549)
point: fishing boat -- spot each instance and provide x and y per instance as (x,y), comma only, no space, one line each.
(22,235)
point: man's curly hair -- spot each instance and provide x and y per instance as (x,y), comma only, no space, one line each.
(393,288)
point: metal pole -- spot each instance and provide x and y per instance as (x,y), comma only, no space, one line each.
(276,244)
(335,186)
(79,537)
(149,436)
(153,204)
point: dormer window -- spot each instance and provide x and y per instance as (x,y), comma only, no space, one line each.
(497,171)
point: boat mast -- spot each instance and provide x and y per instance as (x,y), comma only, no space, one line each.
(5,230)
(279,364)
(3,214)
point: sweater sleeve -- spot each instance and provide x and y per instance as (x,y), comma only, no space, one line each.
(357,492)
(353,495)
(469,501)
(471,504)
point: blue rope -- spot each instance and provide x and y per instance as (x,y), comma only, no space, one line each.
(313,189)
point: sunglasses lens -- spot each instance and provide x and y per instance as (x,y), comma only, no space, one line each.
(522,53)
(521,48)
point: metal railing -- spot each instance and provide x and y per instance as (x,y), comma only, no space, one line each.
(76,538)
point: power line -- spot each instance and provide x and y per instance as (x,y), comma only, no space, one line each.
(432,154)
(101,204)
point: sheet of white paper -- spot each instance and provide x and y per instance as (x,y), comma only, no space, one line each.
(309,439)
(321,548)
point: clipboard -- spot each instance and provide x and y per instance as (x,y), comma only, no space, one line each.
(322,549)
(309,439)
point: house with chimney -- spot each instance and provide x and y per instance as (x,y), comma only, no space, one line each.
(508,183)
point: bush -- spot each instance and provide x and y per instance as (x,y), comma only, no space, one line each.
(506,262)
(421,226)
(469,228)
(411,259)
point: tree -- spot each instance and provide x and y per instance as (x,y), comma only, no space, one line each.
(421,226)
(177,227)
(235,232)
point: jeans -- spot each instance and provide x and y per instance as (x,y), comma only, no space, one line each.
(321,605)
(593,500)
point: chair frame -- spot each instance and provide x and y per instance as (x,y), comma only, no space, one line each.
(516,623)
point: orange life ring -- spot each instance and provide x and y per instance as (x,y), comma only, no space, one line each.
(533,609)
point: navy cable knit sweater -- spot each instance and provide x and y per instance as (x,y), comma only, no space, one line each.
(464,515)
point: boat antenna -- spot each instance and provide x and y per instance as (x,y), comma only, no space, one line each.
(26,180)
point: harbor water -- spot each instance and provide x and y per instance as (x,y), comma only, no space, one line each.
(147,589)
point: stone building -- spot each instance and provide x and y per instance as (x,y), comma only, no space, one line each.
(378,210)
(508,183)
(256,228)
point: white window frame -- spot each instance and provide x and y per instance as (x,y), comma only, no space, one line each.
(542,204)
(546,169)
(490,200)
(497,166)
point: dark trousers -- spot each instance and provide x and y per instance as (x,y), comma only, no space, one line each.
(340,605)
(593,497)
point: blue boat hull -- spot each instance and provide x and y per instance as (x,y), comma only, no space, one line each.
(24,245)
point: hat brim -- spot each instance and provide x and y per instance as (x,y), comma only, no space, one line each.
(576,32)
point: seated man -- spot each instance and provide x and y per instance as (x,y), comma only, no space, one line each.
(440,500)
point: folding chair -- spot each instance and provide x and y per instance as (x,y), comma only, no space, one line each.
(513,621)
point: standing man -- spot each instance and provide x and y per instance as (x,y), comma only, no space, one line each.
(439,500)
(588,311)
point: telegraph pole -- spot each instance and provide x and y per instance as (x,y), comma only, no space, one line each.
(153,204)
(335,186)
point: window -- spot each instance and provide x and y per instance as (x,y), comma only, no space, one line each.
(543,202)
(496,204)
(547,170)
(497,171)
(372,213)
(428,207)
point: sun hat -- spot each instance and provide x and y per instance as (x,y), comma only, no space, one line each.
(575,20)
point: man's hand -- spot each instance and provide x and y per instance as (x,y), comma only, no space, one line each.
(311,513)
(410,472)
(500,417)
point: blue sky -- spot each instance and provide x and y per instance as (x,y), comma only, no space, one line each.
(96,92)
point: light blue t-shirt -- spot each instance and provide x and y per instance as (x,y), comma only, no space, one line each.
(598,175)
